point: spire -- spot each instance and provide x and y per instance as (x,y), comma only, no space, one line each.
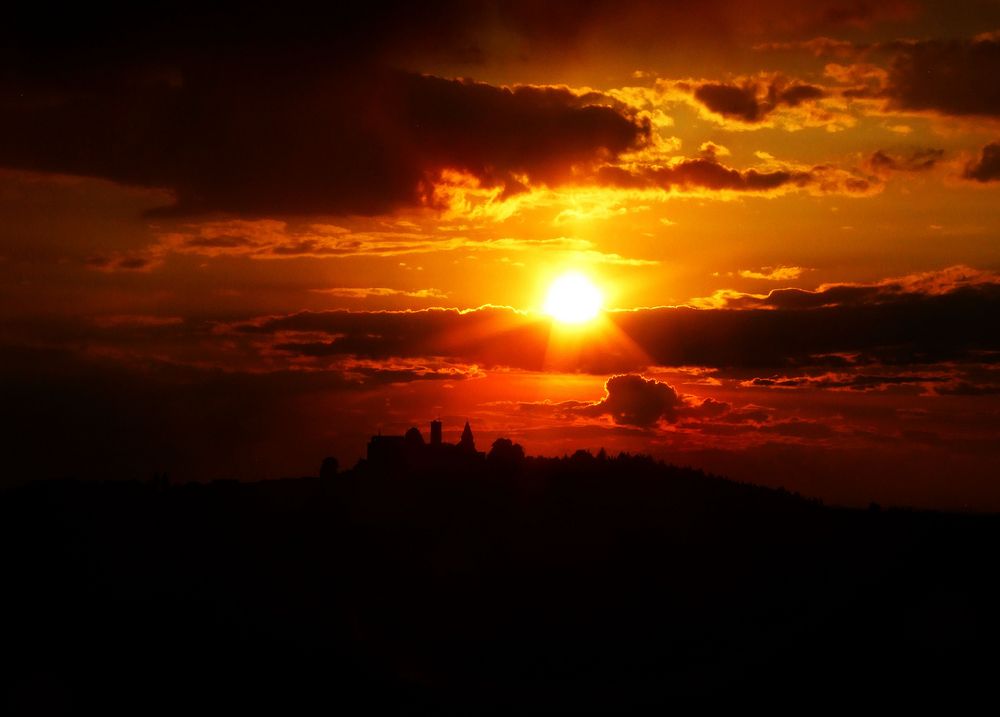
(467,442)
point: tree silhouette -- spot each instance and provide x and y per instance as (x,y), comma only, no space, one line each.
(506,454)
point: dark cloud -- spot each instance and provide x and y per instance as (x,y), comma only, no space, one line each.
(987,167)
(636,401)
(896,290)
(751,101)
(488,336)
(913,329)
(702,173)
(966,388)
(272,140)
(709,408)
(731,101)
(854,382)
(707,173)
(913,160)
(633,400)
(120,263)
(796,94)
(918,319)
(954,77)
(258,111)
(712,175)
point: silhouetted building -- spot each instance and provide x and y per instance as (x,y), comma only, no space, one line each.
(413,438)
(386,449)
(410,449)
(467,443)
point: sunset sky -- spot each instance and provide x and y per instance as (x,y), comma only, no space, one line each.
(235,242)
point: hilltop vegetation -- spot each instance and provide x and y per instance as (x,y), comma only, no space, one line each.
(530,583)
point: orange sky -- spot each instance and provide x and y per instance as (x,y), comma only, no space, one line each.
(204,220)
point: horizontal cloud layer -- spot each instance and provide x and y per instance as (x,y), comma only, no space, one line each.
(706,174)
(914,321)
(941,316)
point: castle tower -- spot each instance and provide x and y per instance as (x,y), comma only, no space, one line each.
(467,443)
(413,438)
(435,433)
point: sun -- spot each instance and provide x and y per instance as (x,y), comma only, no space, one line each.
(573,299)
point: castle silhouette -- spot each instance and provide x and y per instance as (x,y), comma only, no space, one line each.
(411,450)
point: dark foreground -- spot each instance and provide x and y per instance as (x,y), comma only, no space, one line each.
(569,585)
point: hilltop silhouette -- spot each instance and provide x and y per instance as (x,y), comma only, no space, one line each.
(430,579)
(410,450)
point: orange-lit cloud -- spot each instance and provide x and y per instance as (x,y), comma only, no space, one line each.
(767,100)
(750,102)
(913,160)
(269,239)
(773,273)
(932,283)
(705,176)
(367,292)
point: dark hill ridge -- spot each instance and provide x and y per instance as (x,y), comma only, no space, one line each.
(577,583)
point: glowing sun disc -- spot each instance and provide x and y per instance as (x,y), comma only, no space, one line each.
(573,299)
